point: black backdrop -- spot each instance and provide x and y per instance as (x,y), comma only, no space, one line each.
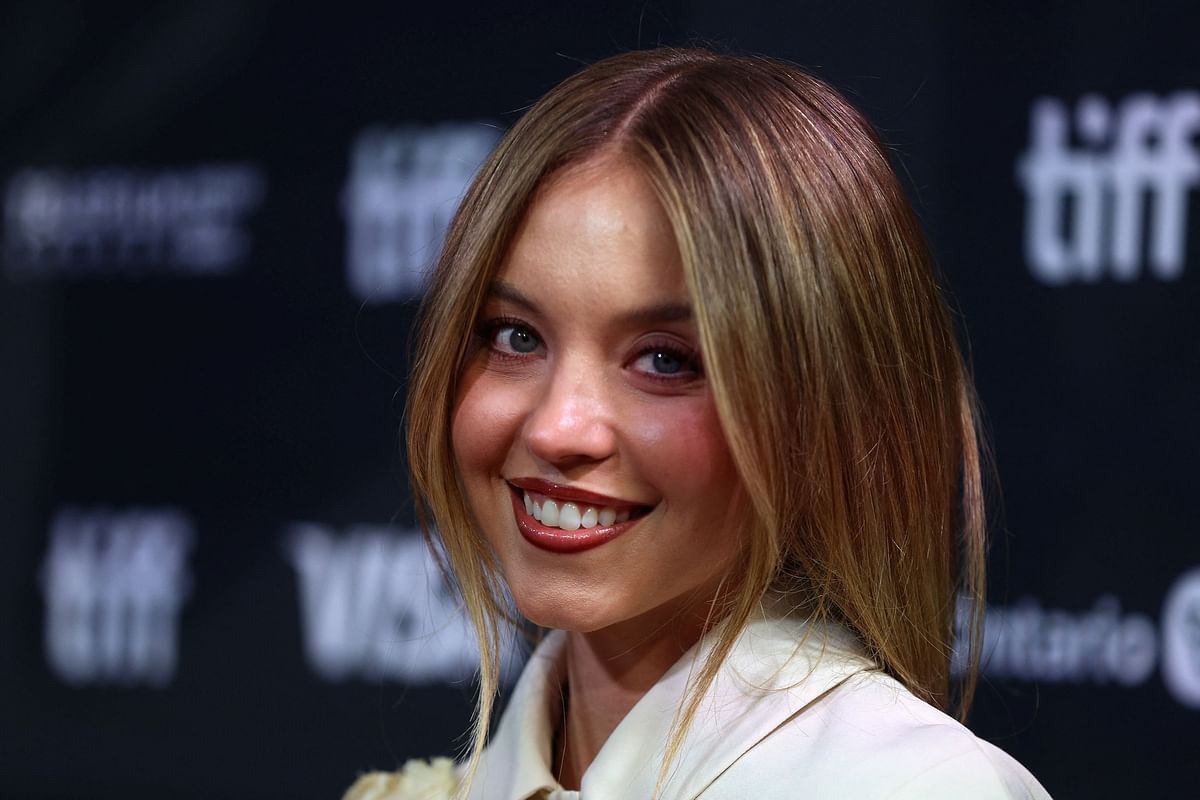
(215,216)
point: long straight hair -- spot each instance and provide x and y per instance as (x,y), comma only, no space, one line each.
(827,343)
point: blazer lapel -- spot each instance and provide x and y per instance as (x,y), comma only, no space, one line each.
(778,668)
(516,763)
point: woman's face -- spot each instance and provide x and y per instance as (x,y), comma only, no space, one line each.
(584,431)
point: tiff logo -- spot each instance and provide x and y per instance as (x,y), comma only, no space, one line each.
(403,188)
(114,583)
(374,606)
(1118,203)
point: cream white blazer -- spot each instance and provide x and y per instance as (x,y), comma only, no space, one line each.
(782,720)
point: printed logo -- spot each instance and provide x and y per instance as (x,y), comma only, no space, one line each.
(122,220)
(403,188)
(1181,639)
(374,606)
(1117,204)
(1027,642)
(114,584)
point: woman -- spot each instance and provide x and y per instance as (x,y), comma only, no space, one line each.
(688,395)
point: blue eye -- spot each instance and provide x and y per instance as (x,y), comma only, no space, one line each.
(666,363)
(519,340)
(673,363)
(512,339)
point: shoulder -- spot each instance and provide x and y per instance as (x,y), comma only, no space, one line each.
(871,737)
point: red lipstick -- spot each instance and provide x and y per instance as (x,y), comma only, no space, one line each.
(556,540)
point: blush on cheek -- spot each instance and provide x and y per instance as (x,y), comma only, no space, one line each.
(462,434)
(685,446)
(484,421)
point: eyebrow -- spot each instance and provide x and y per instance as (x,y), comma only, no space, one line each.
(661,312)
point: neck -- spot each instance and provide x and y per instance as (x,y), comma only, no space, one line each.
(607,673)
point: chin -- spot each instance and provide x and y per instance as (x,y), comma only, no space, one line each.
(572,611)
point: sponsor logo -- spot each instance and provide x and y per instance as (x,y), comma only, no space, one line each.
(121,220)
(1116,205)
(374,606)
(114,583)
(403,188)
(1101,645)
(1181,639)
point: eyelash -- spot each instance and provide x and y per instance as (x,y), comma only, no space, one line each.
(487,330)
(689,358)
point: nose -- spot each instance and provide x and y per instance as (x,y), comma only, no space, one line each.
(573,423)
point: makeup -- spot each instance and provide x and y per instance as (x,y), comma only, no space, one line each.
(564,519)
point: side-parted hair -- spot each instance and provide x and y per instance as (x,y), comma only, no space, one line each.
(825,339)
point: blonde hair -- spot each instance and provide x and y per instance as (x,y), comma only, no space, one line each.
(827,344)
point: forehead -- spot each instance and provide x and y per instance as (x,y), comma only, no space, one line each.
(597,227)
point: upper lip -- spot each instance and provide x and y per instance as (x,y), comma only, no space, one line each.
(560,492)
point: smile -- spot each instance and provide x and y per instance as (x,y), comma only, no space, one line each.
(569,516)
(567,520)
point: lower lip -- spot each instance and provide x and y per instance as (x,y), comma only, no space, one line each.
(556,540)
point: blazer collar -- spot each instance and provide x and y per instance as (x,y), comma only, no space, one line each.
(517,762)
(778,667)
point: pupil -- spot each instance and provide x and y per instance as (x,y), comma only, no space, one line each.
(521,341)
(666,363)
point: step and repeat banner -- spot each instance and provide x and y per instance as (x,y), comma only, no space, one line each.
(215,223)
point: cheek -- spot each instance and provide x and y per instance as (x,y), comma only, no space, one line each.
(486,417)
(686,453)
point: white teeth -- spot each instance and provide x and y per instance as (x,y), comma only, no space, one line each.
(550,514)
(568,516)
